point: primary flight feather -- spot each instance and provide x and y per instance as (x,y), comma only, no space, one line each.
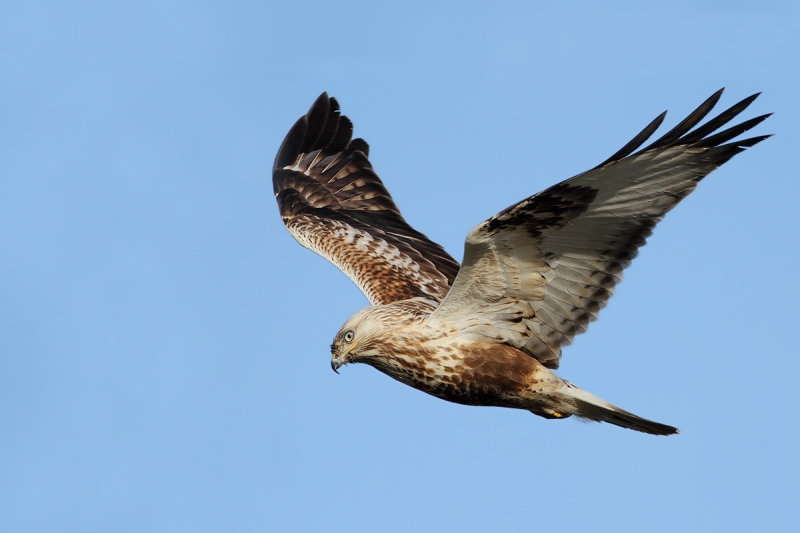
(487,332)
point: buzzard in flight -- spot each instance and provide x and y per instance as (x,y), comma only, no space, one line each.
(489,331)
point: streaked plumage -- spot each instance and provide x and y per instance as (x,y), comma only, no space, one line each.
(488,332)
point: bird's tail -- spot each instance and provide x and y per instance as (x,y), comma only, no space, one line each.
(591,407)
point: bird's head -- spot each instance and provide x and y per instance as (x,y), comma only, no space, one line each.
(357,340)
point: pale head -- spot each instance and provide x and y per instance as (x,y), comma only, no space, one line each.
(358,339)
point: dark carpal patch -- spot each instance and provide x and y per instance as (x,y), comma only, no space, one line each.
(549,209)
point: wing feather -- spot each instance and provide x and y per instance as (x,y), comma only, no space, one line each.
(538,272)
(333,203)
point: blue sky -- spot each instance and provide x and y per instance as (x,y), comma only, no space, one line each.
(164,360)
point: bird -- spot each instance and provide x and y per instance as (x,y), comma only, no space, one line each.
(490,330)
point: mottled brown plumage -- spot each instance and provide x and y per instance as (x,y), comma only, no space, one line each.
(488,332)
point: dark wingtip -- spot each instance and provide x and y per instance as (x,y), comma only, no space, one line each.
(291,144)
(361,145)
(322,116)
(704,136)
(732,132)
(752,141)
(321,101)
(683,127)
(322,127)
(637,141)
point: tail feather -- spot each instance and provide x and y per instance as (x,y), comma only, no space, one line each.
(593,408)
(619,417)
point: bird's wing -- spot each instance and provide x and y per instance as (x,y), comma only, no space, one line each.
(537,273)
(333,203)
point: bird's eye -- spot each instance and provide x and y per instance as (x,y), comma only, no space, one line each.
(348,335)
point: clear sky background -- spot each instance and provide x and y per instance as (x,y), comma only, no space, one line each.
(164,361)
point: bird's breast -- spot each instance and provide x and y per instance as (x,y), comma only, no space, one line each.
(473,373)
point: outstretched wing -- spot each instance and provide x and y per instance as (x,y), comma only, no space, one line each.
(333,203)
(537,273)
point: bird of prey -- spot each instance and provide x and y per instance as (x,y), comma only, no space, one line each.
(490,331)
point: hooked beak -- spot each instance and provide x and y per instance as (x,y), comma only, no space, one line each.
(336,362)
